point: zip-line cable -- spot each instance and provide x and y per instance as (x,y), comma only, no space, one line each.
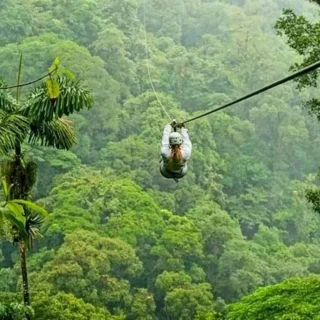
(147,61)
(299,73)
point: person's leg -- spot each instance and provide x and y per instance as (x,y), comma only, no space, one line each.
(167,174)
(170,175)
(182,173)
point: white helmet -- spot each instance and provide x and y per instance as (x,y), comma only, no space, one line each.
(175,138)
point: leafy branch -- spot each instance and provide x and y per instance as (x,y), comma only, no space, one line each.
(51,83)
(29,82)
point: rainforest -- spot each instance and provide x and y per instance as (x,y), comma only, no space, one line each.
(90,229)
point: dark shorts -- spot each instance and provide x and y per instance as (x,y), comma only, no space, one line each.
(172,175)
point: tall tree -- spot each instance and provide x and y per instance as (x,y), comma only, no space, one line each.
(35,119)
(304,37)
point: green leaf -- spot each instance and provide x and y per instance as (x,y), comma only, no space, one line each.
(31,205)
(58,133)
(1,216)
(73,98)
(13,127)
(68,73)
(5,187)
(15,208)
(55,65)
(56,62)
(14,216)
(53,88)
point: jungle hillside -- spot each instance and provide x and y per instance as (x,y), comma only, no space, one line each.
(90,230)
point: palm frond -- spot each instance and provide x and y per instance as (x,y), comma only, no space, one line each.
(58,133)
(26,218)
(7,102)
(13,128)
(41,212)
(14,214)
(72,98)
(33,224)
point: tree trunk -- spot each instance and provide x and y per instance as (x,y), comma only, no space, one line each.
(25,285)
(19,193)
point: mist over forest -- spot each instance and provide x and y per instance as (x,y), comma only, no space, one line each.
(86,216)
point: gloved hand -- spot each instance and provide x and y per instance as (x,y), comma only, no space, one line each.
(174,123)
(180,125)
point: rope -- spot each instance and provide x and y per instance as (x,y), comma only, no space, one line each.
(299,73)
(147,60)
(29,82)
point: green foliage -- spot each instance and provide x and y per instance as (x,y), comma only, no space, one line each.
(24,227)
(11,127)
(65,306)
(143,306)
(303,37)
(313,196)
(71,97)
(14,311)
(86,261)
(190,302)
(57,133)
(18,177)
(292,299)
(121,241)
(167,281)
(178,246)
(32,206)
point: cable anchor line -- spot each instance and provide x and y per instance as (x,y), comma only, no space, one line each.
(297,74)
(147,62)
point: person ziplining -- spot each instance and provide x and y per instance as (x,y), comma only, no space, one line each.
(175,152)
(176,148)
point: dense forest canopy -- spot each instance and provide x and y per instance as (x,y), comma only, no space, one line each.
(122,242)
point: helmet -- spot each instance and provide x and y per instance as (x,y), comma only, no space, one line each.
(175,138)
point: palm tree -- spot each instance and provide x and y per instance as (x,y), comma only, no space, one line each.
(37,120)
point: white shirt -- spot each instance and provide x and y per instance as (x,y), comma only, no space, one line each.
(186,146)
